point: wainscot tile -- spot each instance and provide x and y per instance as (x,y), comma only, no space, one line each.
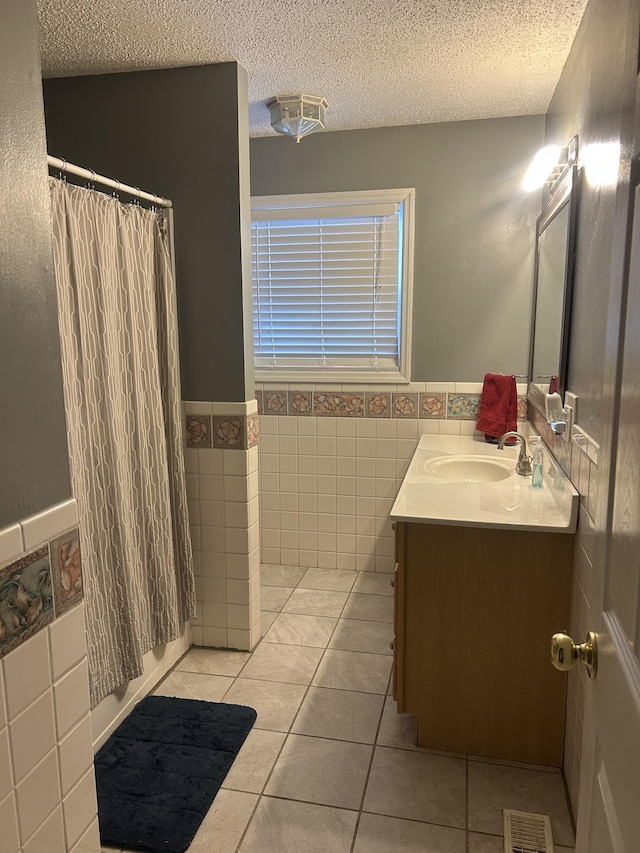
(26,599)
(10,542)
(198,430)
(260,401)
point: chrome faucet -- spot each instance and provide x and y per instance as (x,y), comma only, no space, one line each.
(523,465)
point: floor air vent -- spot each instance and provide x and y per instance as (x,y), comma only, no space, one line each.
(525,832)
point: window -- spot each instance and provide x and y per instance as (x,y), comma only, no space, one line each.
(332,286)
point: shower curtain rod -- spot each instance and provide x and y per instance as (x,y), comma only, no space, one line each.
(90,175)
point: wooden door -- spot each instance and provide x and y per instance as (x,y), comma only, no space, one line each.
(609,816)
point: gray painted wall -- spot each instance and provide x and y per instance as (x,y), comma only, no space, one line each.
(176,132)
(475,227)
(595,99)
(34,470)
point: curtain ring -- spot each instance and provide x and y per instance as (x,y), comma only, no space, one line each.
(116,192)
(90,183)
(62,174)
(136,200)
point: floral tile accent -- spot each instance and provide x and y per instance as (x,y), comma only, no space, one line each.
(198,430)
(405,405)
(377,404)
(253,430)
(522,408)
(26,598)
(66,571)
(433,405)
(275,402)
(463,406)
(229,432)
(259,398)
(339,405)
(300,402)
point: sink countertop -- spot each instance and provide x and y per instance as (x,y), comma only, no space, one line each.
(510,504)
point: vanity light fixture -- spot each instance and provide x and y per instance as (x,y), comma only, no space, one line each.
(297,115)
(601,161)
(549,165)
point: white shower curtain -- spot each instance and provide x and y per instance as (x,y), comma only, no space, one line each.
(118,332)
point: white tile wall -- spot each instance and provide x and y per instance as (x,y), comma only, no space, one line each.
(327,484)
(38,795)
(42,766)
(32,735)
(49,838)
(50,523)
(71,696)
(11,544)
(326,500)
(27,673)
(90,840)
(79,803)
(9,825)
(222,490)
(46,749)
(73,749)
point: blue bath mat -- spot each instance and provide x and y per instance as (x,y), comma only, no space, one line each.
(159,771)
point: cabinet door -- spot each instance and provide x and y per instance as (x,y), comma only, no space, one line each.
(398,617)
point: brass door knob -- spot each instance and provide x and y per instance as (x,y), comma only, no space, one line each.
(565,654)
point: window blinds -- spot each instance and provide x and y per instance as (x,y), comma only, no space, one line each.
(326,287)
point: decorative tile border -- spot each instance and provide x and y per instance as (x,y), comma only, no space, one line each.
(253,430)
(227,432)
(26,598)
(338,404)
(66,570)
(300,402)
(433,405)
(37,587)
(375,404)
(198,430)
(523,408)
(275,402)
(404,406)
(463,407)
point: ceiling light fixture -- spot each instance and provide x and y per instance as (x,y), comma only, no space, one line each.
(297,115)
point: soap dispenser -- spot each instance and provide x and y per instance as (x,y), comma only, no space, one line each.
(537,465)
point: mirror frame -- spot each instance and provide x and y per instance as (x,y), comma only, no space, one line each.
(565,191)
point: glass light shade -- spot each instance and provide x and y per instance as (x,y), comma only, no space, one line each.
(297,115)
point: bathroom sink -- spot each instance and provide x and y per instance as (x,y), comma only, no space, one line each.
(461,480)
(468,469)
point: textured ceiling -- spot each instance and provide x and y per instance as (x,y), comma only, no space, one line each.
(377,62)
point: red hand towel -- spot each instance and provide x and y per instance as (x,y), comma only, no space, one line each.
(498,405)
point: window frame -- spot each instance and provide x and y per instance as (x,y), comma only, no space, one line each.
(331,201)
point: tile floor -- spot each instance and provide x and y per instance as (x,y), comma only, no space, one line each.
(329,766)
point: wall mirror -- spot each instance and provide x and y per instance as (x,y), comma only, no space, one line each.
(553,277)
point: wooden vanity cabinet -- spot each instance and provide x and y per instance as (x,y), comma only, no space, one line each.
(474,612)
